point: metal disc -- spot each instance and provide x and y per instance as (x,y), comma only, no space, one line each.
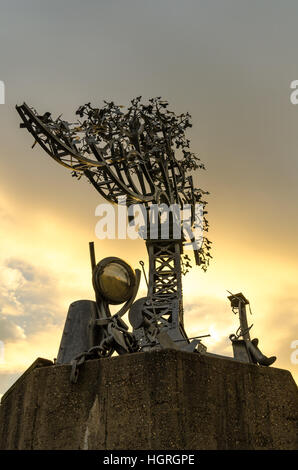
(135,315)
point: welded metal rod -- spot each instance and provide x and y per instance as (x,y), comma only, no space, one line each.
(92,255)
(194,337)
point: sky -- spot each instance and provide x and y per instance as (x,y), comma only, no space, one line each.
(229,63)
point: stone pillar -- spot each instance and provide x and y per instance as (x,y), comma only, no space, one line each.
(165,399)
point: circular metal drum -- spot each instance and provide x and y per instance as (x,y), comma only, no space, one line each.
(114,280)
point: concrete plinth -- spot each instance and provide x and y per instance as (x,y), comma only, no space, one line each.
(160,400)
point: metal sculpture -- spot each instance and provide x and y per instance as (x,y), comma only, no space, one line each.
(140,156)
(143,156)
(245,349)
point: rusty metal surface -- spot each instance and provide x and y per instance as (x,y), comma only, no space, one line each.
(79,333)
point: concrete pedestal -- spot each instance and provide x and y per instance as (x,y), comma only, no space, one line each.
(160,400)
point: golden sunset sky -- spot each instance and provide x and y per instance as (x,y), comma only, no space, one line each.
(229,64)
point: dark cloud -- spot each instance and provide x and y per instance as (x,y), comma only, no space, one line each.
(26,269)
(29,308)
(29,297)
(9,330)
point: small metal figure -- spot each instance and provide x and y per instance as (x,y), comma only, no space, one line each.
(245,349)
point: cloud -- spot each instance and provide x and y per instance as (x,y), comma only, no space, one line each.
(45,274)
(29,294)
(7,380)
(31,316)
(24,268)
(275,323)
(19,355)
(281,319)
(9,330)
(211,315)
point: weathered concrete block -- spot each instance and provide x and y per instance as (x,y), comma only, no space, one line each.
(159,400)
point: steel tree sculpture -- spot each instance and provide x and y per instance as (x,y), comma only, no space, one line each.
(141,153)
